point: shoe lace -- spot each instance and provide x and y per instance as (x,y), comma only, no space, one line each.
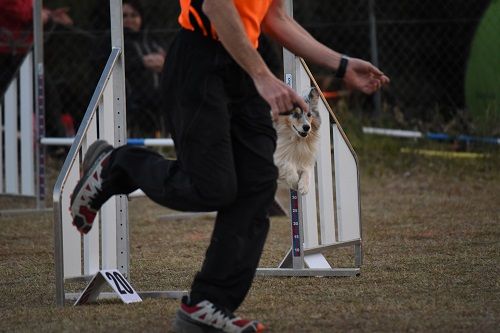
(216,316)
(220,317)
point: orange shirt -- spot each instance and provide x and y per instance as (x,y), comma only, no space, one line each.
(252,12)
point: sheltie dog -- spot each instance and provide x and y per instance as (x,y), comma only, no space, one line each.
(298,139)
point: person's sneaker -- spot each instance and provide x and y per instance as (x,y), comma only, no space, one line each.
(89,195)
(205,317)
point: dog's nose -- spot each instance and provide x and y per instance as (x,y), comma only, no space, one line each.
(306,128)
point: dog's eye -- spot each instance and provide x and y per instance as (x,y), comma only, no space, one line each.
(296,115)
(309,114)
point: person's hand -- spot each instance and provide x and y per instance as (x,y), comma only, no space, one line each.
(45,15)
(154,61)
(61,16)
(280,97)
(363,76)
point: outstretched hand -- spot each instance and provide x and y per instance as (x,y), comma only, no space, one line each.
(280,97)
(363,76)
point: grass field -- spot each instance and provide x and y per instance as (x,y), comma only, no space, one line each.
(431,230)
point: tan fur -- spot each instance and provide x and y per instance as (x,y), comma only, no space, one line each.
(295,155)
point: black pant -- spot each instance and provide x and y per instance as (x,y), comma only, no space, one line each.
(225,142)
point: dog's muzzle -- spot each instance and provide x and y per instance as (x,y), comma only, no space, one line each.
(302,133)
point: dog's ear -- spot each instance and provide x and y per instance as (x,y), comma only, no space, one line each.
(313,97)
(313,100)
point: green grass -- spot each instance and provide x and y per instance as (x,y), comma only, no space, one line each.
(431,252)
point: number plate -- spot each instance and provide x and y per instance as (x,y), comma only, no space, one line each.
(115,279)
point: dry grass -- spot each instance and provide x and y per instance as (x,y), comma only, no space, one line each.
(431,242)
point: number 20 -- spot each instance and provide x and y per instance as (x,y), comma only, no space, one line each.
(120,283)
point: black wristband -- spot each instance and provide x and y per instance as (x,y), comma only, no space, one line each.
(344,60)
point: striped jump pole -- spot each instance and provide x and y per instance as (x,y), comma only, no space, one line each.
(399,133)
(149,142)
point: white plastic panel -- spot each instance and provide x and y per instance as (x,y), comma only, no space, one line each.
(310,216)
(91,250)
(11,142)
(108,211)
(26,117)
(71,237)
(325,179)
(346,184)
(316,260)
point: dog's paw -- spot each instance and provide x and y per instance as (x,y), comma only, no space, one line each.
(303,185)
(303,188)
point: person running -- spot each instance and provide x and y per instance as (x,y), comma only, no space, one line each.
(220,100)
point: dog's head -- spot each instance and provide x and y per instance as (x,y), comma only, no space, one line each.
(304,123)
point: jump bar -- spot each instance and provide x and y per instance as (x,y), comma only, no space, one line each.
(132,142)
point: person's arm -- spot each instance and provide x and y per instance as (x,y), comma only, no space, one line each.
(360,74)
(226,20)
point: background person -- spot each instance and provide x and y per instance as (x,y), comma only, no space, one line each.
(16,40)
(144,59)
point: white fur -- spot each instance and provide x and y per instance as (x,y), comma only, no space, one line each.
(295,155)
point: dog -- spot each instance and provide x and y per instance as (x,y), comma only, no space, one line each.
(297,145)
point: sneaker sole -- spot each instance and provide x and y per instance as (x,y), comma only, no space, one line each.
(90,162)
(95,150)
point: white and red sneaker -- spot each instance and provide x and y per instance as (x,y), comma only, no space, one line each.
(205,317)
(89,194)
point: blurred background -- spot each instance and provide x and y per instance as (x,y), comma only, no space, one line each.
(442,57)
